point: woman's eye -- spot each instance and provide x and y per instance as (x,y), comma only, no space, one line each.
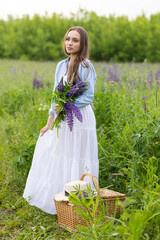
(74,40)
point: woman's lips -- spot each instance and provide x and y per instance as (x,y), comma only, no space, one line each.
(69,48)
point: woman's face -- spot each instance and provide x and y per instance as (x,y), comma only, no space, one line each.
(72,42)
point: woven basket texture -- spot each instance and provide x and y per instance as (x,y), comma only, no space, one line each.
(66,211)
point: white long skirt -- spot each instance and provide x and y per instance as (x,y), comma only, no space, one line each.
(59,160)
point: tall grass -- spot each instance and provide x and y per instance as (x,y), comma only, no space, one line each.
(126,107)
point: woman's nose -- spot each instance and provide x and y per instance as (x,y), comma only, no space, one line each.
(70,41)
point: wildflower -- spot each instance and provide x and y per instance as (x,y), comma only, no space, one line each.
(69,115)
(65,96)
(37,83)
(80,198)
(42,107)
(85,194)
(157,75)
(70,108)
(145,106)
(60,86)
(144,98)
(77,89)
(76,111)
(113,75)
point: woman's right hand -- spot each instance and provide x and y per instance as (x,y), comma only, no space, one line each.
(43,130)
(48,125)
(57,109)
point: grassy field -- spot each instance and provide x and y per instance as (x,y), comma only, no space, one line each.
(127,110)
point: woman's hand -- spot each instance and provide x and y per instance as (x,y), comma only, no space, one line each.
(43,130)
(57,109)
(48,125)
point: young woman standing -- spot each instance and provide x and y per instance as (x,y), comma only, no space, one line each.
(59,160)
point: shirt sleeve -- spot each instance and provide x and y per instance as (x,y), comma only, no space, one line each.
(51,110)
(87,96)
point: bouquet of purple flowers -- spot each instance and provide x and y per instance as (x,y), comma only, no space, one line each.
(64,97)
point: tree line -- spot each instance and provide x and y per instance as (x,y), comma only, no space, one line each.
(111,38)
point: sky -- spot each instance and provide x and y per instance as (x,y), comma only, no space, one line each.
(130,8)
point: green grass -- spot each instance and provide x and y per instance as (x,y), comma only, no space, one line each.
(128,141)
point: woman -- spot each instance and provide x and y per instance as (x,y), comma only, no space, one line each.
(59,160)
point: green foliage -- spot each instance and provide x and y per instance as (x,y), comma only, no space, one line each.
(133,224)
(126,107)
(23,112)
(112,38)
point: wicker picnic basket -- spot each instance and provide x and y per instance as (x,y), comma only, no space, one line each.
(67,216)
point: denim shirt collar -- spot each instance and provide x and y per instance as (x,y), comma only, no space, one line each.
(67,60)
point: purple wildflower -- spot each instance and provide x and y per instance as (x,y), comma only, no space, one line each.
(145,105)
(157,75)
(70,108)
(37,83)
(69,115)
(85,194)
(76,111)
(80,198)
(144,98)
(77,89)
(113,75)
(60,86)
(41,84)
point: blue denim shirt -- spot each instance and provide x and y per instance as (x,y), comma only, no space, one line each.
(85,75)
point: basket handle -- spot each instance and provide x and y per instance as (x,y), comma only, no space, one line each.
(94,180)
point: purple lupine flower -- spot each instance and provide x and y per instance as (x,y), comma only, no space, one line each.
(113,75)
(37,83)
(70,108)
(85,194)
(80,198)
(60,86)
(144,98)
(41,84)
(72,92)
(76,111)
(157,75)
(145,105)
(76,89)
(69,115)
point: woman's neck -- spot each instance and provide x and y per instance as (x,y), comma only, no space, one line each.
(72,57)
